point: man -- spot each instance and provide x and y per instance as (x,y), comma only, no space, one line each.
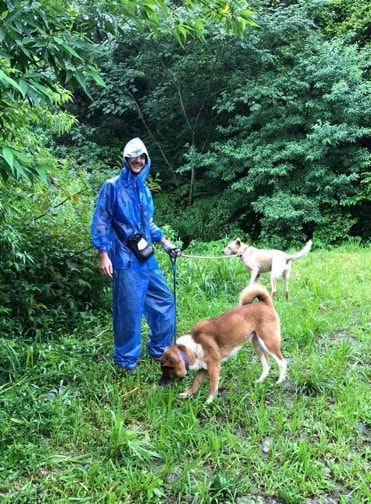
(123,232)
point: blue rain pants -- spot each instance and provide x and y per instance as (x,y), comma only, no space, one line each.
(138,292)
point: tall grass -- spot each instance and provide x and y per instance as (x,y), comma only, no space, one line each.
(73,429)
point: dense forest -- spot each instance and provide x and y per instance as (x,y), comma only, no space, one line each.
(265,134)
(256,117)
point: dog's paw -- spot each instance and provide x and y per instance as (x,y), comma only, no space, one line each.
(184,395)
(210,399)
(261,379)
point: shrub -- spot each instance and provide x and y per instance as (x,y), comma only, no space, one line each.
(49,278)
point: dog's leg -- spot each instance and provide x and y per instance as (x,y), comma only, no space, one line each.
(253,267)
(263,360)
(286,276)
(273,285)
(199,378)
(282,364)
(272,347)
(254,275)
(213,369)
(277,271)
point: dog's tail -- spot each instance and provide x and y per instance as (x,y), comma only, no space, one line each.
(251,292)
(303,252)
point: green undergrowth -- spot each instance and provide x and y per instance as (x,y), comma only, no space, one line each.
(74,429)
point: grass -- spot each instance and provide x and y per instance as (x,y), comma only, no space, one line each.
(73,429)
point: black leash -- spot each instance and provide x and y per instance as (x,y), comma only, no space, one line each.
(173,267)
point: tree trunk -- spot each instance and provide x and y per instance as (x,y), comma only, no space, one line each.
(192,187)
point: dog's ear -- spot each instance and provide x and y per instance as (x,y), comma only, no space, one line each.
(166,362)
(238,241)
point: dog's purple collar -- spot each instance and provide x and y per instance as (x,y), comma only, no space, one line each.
(184,358)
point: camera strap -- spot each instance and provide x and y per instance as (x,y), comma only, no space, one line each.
(136,243)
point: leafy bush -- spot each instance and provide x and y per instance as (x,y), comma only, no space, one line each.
(49,276)
(208,218)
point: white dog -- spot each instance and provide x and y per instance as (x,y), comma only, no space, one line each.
(261,261)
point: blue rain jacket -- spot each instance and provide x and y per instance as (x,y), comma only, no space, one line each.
(138,286)
(127,201)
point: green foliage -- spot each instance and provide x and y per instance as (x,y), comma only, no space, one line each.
(94,153)
(293,146)
(49,278)
(128,443)
(48,47)
(44,50)
(350,19)
(183,18)
(153,90)
(331,228)
(267,134)
(208,218)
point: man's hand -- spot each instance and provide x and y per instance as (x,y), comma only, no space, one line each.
(105,264)
(170,248)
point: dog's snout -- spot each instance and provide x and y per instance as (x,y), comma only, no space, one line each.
(164,380)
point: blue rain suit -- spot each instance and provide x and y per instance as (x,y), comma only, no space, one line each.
(138,287)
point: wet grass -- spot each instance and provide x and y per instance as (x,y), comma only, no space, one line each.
(73,429)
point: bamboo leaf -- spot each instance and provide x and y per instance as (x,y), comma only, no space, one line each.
(22,157)
(23,86)
(70,50)
(6,79)
(98,79)
(80,77)
(42,173)
(8,156)
(42,89)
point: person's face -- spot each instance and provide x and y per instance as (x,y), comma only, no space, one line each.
(137,163)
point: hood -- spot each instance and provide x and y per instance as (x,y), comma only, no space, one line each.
(134,148)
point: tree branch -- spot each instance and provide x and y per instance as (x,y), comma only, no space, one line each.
(152,136)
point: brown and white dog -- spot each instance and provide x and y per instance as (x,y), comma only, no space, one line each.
(262,260)
(213,341)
